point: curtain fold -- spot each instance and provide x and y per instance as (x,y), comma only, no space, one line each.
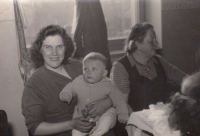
(90,30)
(24,62)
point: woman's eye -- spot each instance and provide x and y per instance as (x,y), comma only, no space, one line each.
(47,47)
(60,46)
(151,42)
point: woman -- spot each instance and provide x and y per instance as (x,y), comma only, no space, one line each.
(44,112)
(144,77)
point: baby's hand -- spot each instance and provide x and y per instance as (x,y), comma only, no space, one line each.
(123,118)
(123,121)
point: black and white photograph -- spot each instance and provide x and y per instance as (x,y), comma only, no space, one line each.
(99,67)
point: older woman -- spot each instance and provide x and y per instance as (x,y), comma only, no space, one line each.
(44,112)
(144,77)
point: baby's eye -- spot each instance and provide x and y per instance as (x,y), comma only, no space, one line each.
(85,69)
(94,69)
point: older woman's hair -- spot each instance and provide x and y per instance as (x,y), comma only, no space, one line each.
(96,56)
(185,115)
(51,30)
(138,33)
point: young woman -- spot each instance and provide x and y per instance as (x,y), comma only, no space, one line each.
(44,112)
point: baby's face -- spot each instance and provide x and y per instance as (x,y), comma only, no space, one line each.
(93,71)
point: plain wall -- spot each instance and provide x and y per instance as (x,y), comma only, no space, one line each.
(177,26)
(153,15)
(11,84)
(181,35)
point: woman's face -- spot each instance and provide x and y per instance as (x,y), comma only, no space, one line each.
(53,51)
(148,46)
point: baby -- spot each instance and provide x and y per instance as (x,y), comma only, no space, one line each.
(92,86)
(185,115)
(181,116)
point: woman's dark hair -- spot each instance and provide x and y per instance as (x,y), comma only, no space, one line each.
(138,33)
(186,107)
(51,30)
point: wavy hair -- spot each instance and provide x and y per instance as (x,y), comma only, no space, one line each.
(137,33)
(51,30)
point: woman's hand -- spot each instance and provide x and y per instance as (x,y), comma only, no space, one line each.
(99,107)
(82,125)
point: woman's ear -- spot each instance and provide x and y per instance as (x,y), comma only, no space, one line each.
(137,44)
(105,73)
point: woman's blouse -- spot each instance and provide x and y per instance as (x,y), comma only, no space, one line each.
(120,76)
(40,100)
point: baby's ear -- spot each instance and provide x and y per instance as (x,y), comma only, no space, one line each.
(105,73)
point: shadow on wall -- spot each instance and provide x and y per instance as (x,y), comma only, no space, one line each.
(5,127)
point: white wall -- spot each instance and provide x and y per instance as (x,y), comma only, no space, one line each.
(153,15)
(11,84)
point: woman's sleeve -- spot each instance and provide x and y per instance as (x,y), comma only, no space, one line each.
(32,109)
(120,76)
(174,75)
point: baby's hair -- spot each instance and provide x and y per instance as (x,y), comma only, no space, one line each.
(96,56)
(191,85)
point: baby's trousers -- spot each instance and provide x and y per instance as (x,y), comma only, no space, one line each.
(103,124)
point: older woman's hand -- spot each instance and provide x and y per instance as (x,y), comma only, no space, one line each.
(82,124)
(99,107)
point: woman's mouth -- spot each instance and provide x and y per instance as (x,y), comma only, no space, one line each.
(54,58)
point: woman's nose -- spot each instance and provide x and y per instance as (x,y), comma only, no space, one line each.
(54,52)
(155,43)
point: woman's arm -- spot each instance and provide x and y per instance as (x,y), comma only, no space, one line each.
(125,96)
(32,109)
(120,76)
(80,124)
(174,74)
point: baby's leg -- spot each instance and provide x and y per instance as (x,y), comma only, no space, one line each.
(78,133)
(105,122)
(74,131)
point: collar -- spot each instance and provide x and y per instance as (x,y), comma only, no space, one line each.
(135,63)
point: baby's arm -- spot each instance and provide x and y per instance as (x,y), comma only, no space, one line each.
(123,118)
(67,93)
(120,104)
